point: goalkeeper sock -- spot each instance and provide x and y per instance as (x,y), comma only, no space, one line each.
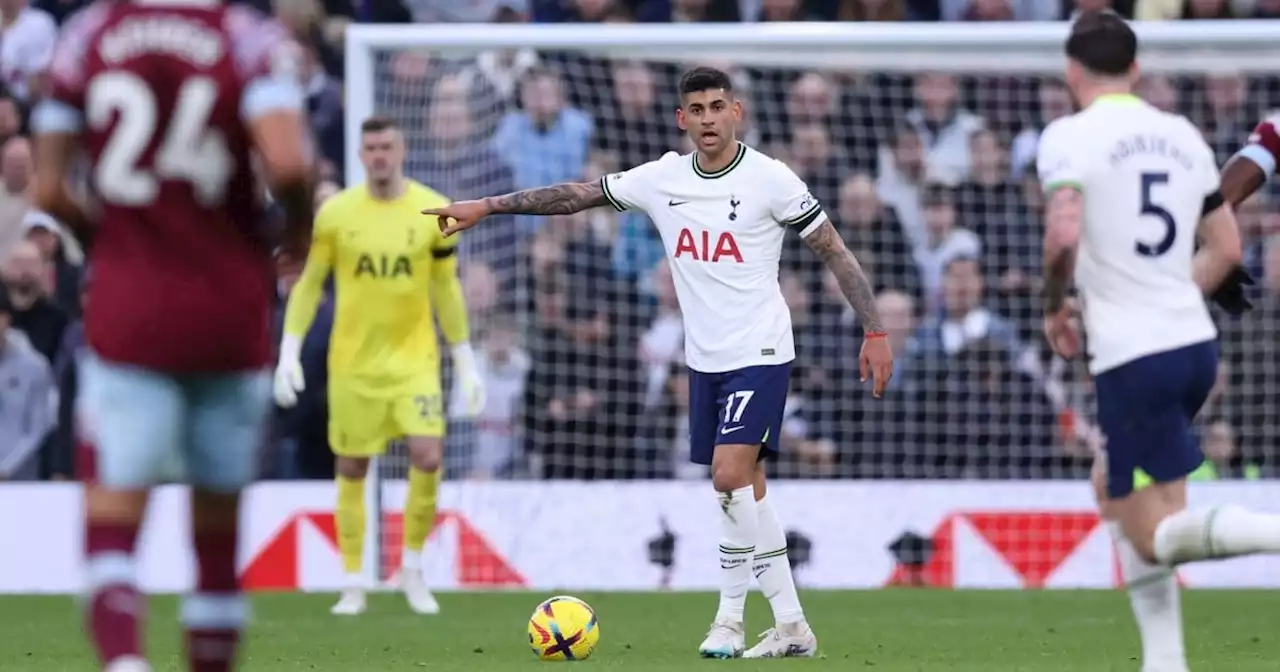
(419,514)
(739,523)
(1216,532)
(350,521)
(1153,593)
(773,568)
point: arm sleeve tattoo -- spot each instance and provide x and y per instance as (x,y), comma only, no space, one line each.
(854,284)
(558,199)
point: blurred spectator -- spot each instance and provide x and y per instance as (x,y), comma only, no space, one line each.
(871,10)
(817,161)
(504,366)
(1012,256)
(868,225)
(31,310)
(662,343)
(502,70)
(898,315)
(964,320)
(584,389)
(58,455)
(988,10)
(985,10)
(302,430)
(635,127)
(1228,119)
(988,195)
(1207,10)
(62,253)
(27,399)
(690,11)
(901,181)
(1159,92)
(944,126)
(998,423)
(456,160)
(946,241)
(326,109)
(1254,361)
(787,10)
(17,167)
(1054,103)
(475,11)
(546,142)
(27,38)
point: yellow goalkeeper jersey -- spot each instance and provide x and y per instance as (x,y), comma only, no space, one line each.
(390,267)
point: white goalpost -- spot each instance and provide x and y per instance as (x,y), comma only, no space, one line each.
(574,315)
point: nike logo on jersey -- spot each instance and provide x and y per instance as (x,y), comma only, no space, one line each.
(730,430)
(673,203)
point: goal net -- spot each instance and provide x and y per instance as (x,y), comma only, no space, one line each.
(920,141)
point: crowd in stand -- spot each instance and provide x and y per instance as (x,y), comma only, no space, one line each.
(930,178)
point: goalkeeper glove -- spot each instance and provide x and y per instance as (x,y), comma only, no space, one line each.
(467,399)
(1230,294)
(288,379)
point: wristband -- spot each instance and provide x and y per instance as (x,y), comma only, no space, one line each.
(290,348)
(875,334)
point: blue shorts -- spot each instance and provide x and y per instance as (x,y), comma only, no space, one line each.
(737,407)
(1146,409)
(148,427)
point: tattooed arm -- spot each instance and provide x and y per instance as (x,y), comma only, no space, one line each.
(558,199)
(1064,217)
(829,246)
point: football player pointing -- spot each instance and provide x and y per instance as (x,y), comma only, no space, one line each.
(1130,246)
(722,212)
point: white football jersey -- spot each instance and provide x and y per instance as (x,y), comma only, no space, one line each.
(1145,176)
(723,233)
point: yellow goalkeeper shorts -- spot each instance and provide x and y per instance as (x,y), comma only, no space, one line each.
(361,424)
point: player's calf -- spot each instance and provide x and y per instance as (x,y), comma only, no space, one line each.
(426,456)
(114,607)
(214,616)
(349,521)
(733,474)
(1153,590)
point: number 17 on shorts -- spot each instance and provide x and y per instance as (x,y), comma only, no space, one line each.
(743,406)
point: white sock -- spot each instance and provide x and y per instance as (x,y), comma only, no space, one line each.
(1157,606)
(1216,532)
(355,580)
(773,568)
(738,527)
(411,560)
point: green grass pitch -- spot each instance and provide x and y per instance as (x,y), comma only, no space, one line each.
(880,631)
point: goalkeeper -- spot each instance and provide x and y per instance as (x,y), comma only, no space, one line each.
(391,268)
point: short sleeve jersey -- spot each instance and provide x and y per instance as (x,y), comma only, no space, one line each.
(1263,146)
(723,233)
(1145,176)
(160,95)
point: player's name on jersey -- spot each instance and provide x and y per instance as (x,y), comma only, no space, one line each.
(1151,145)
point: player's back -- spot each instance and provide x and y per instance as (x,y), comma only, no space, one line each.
(1145,175)
(182,267)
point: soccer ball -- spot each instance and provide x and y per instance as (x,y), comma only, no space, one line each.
(563,628)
